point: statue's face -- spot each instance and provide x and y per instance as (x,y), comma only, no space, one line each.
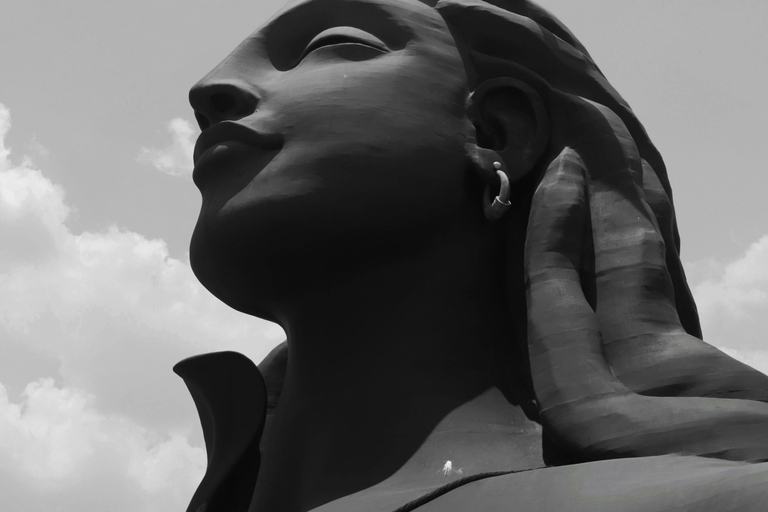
(336,134)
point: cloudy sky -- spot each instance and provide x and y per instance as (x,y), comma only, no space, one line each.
(97,299)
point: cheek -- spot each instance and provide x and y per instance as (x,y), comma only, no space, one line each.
(385,104)
(317,194)
(387,125)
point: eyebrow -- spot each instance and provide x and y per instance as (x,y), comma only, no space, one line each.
(287,36)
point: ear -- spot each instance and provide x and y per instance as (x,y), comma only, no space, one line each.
(511,127)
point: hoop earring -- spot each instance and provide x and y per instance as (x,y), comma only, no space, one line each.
(496,209)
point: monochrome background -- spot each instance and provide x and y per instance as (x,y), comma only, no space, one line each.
(97,300)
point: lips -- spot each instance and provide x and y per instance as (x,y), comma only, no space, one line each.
(229,131)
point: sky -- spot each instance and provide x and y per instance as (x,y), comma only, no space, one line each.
(97,205)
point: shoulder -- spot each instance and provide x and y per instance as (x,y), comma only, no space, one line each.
(646,484)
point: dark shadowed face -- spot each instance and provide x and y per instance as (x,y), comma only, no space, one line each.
(331,136)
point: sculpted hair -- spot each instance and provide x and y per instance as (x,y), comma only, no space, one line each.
(519,39)
(594,129)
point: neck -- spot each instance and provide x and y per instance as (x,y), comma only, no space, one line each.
(388,371)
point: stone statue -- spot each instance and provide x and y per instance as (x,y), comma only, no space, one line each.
(470,242)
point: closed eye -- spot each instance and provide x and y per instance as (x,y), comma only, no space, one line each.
(344,35)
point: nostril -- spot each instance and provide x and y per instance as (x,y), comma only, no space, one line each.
(202,121)
(215,101)
(223,102)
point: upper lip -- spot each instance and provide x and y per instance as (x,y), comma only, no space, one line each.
(230,131)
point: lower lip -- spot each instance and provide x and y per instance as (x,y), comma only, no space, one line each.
(218,158)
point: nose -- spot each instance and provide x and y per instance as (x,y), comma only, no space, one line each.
(222,100)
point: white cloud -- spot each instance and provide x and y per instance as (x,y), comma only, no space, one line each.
(32,212)
(116,312)
(175,159)
(57,446)
(732,298)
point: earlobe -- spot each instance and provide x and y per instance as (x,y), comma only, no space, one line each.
(511,126)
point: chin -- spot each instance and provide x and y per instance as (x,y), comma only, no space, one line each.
(229,271)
